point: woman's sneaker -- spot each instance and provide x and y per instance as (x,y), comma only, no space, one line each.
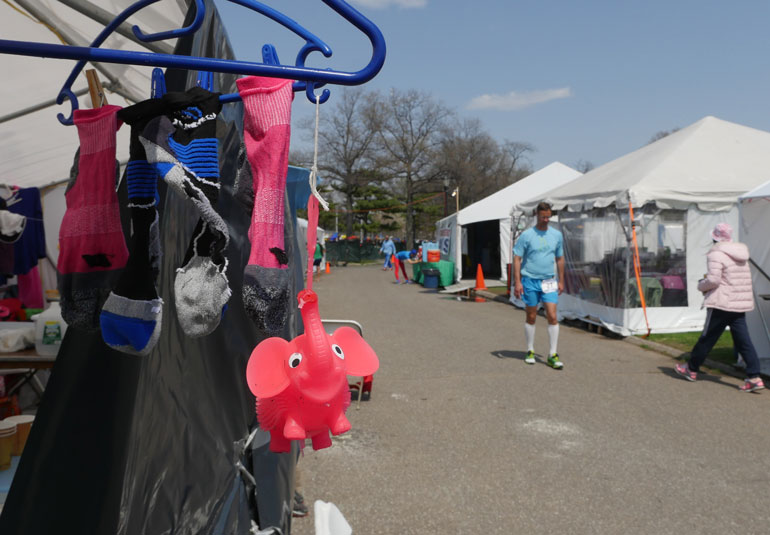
(684,371)
(752,385)
(530,358)
(554,362)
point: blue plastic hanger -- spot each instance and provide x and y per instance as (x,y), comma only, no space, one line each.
(66,91)
(158,83)
(308,78)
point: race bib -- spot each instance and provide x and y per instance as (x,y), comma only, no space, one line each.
(549,286)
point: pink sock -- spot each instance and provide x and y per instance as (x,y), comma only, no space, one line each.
(92,249)
(91,236)
(266,130)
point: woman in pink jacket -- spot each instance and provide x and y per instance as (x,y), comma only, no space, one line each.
(728,296)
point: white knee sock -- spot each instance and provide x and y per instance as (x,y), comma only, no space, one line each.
(529,332)
(553,337)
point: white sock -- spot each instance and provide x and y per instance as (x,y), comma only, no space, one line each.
(553,337)
(529,332)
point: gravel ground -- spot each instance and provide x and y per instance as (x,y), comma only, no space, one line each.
(461,436)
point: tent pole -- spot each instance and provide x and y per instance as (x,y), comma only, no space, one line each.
(40,106)
(74,40)
(104,17)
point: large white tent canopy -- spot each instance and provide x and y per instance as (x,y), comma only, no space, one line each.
(37,149)
(497,206)
(754,210)
(709,164)
(700,170)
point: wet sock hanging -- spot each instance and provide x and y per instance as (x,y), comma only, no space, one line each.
(184,150)
(131,316)
(92,249)
(266,131)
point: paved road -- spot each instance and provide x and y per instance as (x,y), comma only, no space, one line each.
(461,436)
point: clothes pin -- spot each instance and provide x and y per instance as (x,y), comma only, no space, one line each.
(98,98)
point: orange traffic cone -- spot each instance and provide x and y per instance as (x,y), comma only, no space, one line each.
(480,279)
(328,270)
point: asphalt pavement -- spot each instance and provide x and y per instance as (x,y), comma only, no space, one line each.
(461,436)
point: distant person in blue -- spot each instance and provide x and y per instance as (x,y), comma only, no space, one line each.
(388,249)
(537,251)
(402,258)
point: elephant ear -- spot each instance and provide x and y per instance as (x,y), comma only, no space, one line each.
(360,358)
(265,372)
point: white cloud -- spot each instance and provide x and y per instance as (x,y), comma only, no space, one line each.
(517,101)
(382,4)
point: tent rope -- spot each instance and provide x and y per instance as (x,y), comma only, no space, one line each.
(637,267)
(30,17)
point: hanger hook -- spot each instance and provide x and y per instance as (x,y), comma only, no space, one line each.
(200,13)
(67,93)
(310,92)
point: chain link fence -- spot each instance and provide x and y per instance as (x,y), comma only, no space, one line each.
(353,251)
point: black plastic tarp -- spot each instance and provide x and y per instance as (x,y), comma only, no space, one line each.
(127,445)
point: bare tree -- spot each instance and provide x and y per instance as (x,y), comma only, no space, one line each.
(584,166)
(345,150)
(471,160)
(412,122)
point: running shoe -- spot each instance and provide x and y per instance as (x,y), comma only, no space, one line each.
(752,386)
(530,357)
(684,371)
(554,362)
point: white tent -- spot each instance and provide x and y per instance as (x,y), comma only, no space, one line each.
(754,208)
(679,187)
(38,150)
(453,230)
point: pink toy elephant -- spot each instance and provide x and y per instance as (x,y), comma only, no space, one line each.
(301,386)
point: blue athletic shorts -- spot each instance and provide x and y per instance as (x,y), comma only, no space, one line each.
(533,292)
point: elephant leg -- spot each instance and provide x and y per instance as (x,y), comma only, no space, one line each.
(279,443)
(292,430)
(321,440)
(341,425)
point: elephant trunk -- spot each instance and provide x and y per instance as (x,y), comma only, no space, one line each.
(320,359)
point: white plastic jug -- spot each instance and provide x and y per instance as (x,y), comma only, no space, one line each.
(49,330)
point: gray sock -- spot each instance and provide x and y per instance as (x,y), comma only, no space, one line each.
(200,292)
(130,325)
(266,297)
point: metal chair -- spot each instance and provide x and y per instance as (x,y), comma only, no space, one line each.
(365,384)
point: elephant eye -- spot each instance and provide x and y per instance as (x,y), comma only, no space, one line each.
(338,351)
(295,359)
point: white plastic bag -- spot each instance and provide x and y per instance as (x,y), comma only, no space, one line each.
(329,520)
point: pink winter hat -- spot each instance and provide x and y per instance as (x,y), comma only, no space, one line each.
(722,232)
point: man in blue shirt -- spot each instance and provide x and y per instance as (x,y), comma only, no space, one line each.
(535,253)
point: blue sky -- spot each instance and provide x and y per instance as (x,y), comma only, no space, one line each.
(580,80)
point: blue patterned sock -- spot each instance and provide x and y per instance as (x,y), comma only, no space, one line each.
(131,317)
(184,150)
